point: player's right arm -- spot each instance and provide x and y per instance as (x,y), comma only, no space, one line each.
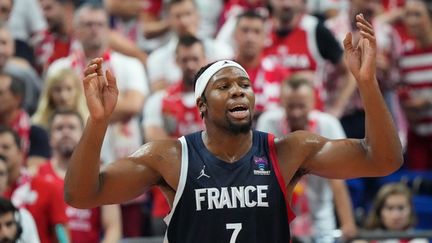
(85,185)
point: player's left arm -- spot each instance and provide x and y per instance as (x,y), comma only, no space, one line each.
(380,152)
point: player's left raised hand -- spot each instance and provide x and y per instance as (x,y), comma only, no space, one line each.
(361,58)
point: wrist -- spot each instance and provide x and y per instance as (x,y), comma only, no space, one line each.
(97,122)
(368,83)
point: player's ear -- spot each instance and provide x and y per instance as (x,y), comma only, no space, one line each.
(202,105)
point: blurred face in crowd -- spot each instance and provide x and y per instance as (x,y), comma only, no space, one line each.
(7,46)
(417,19)
(3,176)
(396,212)
(183,17)
(64,94)
(249,36)
(286,10)
(66,131)
(52,11)
(13,154)
(298,103)
(369,8)
(92,29)
(9,102)
(5,9)
(190,59)
(8,228)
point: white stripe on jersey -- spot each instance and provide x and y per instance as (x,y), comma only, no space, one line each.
(181,185)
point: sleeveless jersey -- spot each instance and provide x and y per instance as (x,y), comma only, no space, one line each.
(240,202)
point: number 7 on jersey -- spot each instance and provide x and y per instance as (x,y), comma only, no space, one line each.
(236,227)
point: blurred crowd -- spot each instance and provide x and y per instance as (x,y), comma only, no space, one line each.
(292,51)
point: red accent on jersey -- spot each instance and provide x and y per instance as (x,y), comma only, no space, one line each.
(275,164)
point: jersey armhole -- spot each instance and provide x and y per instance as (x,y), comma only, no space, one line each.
(281,181)
(182,178)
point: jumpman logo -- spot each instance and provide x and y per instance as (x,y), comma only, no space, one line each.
(202,173)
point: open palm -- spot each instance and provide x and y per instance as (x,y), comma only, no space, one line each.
(100,91)
(361,59)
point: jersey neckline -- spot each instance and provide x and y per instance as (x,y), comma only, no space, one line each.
(209,156)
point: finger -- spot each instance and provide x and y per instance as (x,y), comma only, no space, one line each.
(87,80)
(348,46)
(90,69)
(362,45)
(93,61)
(369,37)
(112,82)
(360,18)
(368,53)
(99,62)
(365,28)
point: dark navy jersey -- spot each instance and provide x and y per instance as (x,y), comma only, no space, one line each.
(221,202)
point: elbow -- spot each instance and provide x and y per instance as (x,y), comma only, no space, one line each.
(72,199)
(391,164)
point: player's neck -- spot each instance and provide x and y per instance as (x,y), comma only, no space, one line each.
(227,147)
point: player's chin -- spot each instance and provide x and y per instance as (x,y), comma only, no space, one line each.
(240,126)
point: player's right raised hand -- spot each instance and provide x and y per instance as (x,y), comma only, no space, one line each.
(100,91)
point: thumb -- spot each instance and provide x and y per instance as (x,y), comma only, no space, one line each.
(111,80)
(347,42)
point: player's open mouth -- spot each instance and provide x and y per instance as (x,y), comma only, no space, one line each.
(239,111)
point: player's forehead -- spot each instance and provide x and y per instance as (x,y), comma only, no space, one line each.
(228,74)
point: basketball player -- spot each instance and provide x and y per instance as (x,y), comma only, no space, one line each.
(229,183)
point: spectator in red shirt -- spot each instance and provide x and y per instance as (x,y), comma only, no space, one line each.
(99,224)
(266,75)
(40,197)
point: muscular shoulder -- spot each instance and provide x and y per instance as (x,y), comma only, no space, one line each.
(162,156)
(299,141)
(294,149)
(161,151)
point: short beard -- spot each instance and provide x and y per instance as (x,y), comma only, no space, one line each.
(240,129)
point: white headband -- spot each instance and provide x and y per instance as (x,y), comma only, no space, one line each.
(204,78)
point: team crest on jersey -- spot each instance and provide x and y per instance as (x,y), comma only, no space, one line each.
(261,166)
